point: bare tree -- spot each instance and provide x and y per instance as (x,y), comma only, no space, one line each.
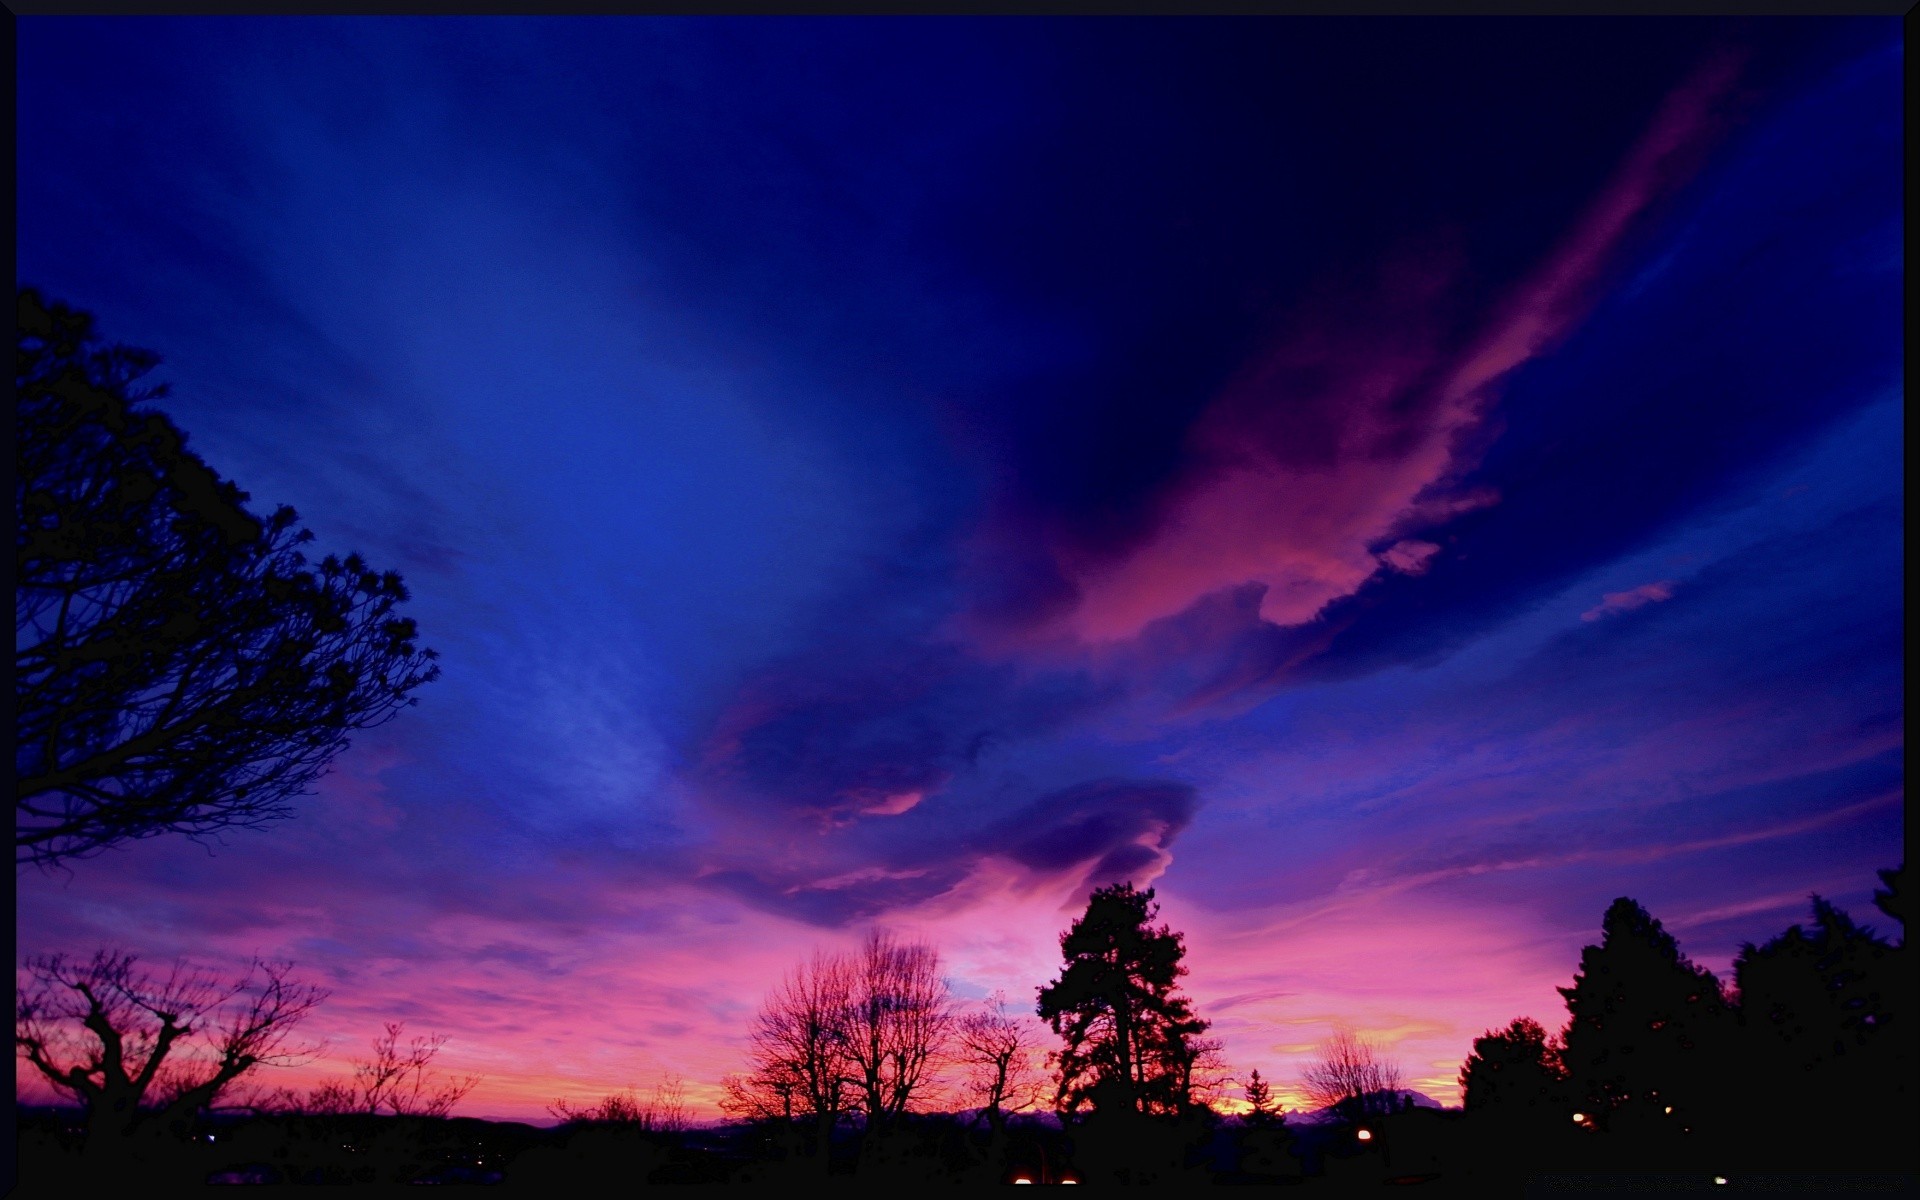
(898,1017)
(799,1062)
(402,1081)
(135,1047)
(764,1094)
(998,1049)
(664,1111)
(669,1104)
(1352,1078)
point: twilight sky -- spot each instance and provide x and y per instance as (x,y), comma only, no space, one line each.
(1392,485)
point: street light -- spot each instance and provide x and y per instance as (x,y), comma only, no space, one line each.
(1365,1135)
(1579,1118)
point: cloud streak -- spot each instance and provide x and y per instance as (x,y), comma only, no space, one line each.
(1308,473)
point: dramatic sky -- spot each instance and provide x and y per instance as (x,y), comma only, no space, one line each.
(1393,486)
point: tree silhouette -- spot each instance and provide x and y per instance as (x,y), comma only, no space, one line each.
(1127,1029)
(178,663)
(1265,1141)
(1892,899)
(1351,1078)
(799,1065)
(139,1049)
(1262,1109)
(1823,1007)
(997,1047)
(664,1111)
(402,1082)
(1816,995)
(1647,1028)
(1516,1073)
(897,1021)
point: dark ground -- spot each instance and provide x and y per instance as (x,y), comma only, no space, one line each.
(1442,1151)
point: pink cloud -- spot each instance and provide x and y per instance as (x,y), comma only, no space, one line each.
(1354,427)
(1409,557)
(1632,598)
(894,805)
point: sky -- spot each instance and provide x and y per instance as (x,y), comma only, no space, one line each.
(1390,485)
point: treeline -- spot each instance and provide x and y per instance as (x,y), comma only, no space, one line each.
(863,1065)
(1805,1061)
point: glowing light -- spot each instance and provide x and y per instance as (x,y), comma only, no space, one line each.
(1719,1178)
(1579,1118)
(1669,1110)
(1022,1179)
(1365,1135)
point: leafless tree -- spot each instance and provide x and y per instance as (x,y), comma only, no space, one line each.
(898,1018)
(799,1065)
(138,1048)
(664,1111)
(1350,1076)
(760,1095)
(401,1080)
(669,1104)
(998,1049)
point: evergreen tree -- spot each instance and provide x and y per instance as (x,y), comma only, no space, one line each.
(1261,1107)
(1815,999)
(1516,1073)
(1117,1007)
(1823,1011)
(1647,1027)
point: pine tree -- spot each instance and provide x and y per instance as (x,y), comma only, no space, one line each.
(1647,1027)
(1261,1107)
(1117,1007)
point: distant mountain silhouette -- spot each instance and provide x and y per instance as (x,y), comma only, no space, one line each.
(1327,1116)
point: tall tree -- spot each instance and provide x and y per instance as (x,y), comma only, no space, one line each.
(1515,1072)
(1127,1029)
(1825,1006)
(1647,1028)
(898,1017)
(140,1049)
(178,664)
(799,1065)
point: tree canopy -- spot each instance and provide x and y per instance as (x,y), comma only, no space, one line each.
(1646,1026)
(179,665)
(1131,1039)
(1515,1071)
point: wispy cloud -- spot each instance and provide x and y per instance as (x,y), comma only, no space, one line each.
(1612,603)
